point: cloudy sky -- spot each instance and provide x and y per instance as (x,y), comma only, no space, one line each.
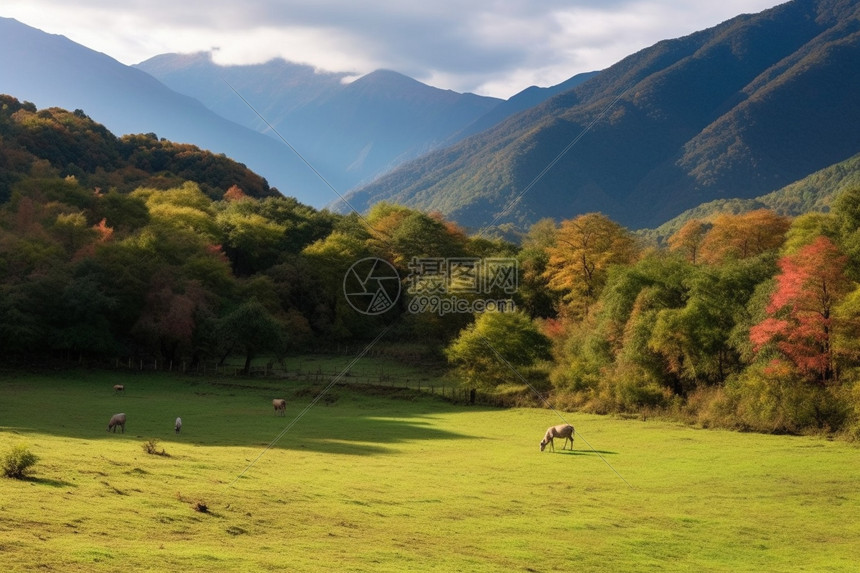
(490,47)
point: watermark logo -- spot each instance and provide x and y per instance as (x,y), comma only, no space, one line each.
(371,286)
(461,285)
(462,275)
(438,285)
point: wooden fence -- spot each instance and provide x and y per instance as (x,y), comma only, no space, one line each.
(381,380)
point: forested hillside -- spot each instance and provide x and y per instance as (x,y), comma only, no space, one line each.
(814,193)
(110,249)
(735,111)
(53,142)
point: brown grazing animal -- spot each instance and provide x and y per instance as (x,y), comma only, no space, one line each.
(118,388)
(561,431)
(116,420)
(280,406)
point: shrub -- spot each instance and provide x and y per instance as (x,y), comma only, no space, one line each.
(151,447)
(18,462)
(772,397)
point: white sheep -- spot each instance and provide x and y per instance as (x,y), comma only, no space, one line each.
(178,424)
(280,406)
(118,388)
(561,431)
(116,420)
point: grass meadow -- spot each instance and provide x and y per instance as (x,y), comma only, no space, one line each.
(376,479)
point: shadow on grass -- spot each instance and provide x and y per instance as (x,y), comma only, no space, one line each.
(349,420)
(364,436)
(48,482)
(585,453)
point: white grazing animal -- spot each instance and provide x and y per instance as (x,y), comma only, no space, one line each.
(178,424)
(561,431)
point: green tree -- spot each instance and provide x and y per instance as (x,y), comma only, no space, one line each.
(251,329)
(695,339)
(252,241)
(485,351)
(533,293)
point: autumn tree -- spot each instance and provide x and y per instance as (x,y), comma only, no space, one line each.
(584,249)
(688,239)
(742,236)
(170,316)
(399,234)
(800,323)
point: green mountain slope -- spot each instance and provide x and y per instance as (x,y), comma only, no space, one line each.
(737,110)
(814,192)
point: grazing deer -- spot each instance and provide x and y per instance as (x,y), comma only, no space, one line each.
(561,431)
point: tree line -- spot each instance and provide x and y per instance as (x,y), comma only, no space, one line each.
(109,247)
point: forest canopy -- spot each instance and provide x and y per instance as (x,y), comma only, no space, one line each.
(137,247)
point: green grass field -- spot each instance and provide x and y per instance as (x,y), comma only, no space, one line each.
(365,481)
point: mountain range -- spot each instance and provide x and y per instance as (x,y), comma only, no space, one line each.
(351,131)
(289,122)
(737,110)
(52,71)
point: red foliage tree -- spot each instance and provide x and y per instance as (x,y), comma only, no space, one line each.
(800,322)
(234,193)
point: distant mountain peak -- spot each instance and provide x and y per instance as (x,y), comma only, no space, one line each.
(351,131)
(737,110)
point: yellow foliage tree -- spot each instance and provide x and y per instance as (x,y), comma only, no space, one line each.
(584,249)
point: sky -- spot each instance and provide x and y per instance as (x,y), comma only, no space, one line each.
(489,47)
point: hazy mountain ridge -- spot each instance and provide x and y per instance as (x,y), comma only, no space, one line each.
(351,131)
(737,110)
(527,98)
(52,71)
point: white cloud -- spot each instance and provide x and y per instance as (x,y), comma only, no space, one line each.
(493,47)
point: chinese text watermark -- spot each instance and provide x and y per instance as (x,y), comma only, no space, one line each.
(438,285)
